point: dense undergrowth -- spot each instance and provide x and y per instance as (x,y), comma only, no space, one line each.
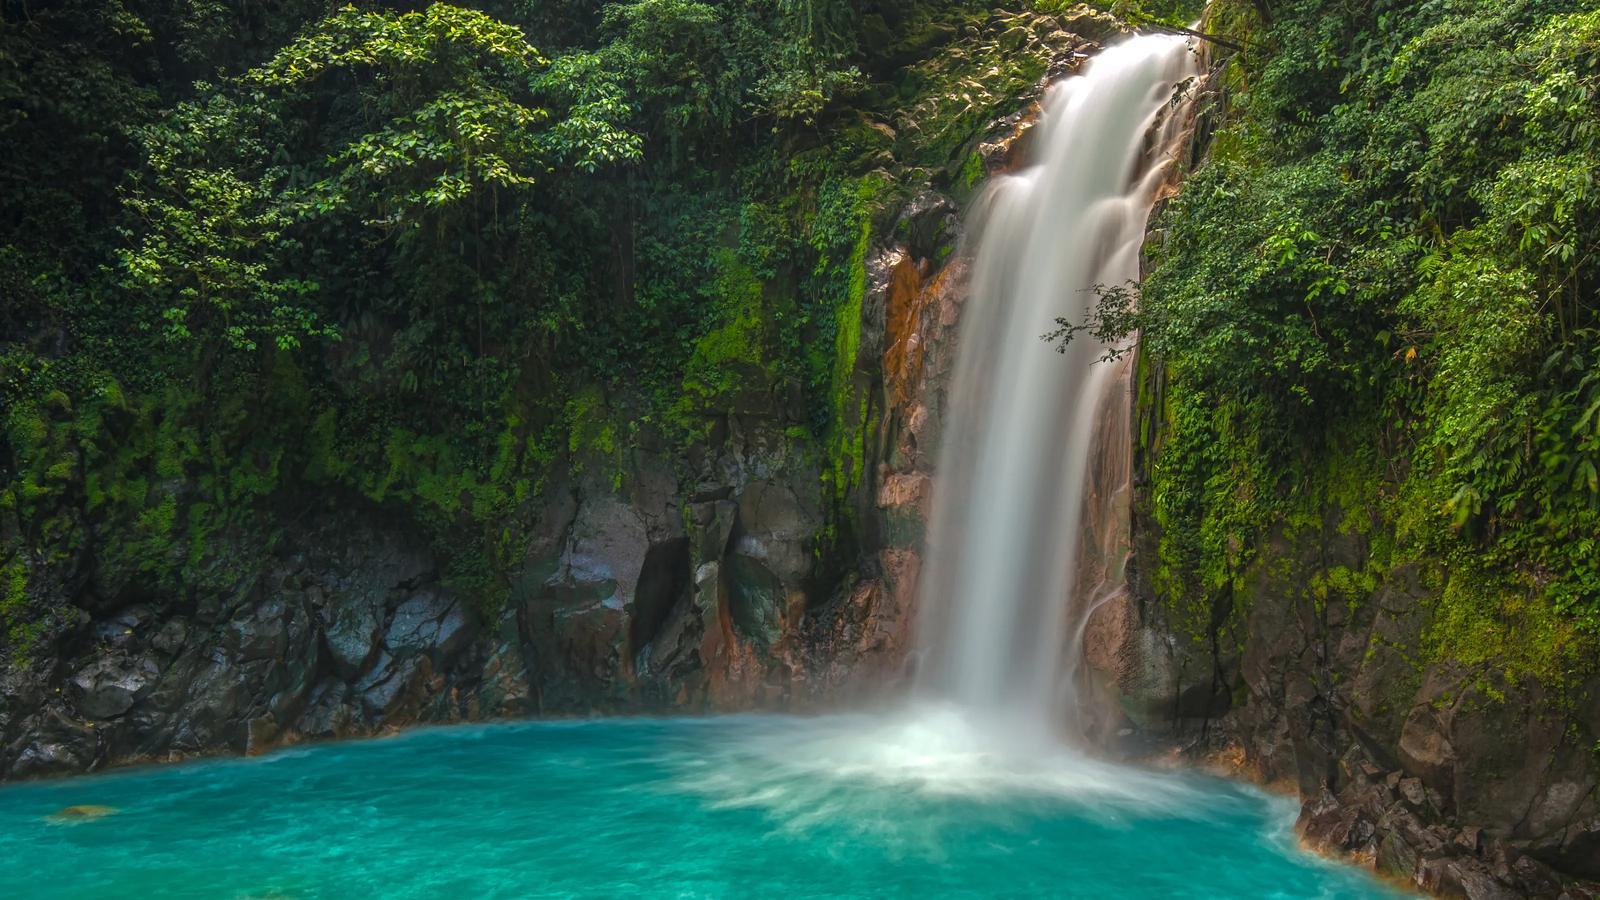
(261,258)
(1377,298)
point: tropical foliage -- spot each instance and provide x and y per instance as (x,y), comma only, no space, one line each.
(1378,295)
(260,257)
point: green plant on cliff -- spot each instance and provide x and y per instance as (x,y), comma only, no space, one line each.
(1391,251)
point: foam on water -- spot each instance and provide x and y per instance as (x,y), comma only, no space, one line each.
(939,750)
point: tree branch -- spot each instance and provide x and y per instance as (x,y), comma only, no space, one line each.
(1153,25)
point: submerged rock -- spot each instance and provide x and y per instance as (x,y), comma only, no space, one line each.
(83,813)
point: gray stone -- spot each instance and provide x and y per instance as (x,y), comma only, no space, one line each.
(415,624)
(107,688)
(1580,849)
(1411,790)
(395,687)
(46,757)
(351,633)
(262,634)
(327,713)
(1555,807)
(1396,857)
(172,637)
(775,526)
(755,599)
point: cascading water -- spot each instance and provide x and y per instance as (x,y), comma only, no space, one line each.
(1026,534)
(1004,596)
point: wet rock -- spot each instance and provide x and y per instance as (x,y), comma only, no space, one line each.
(908,503)
(1425,749)
(756,599)
(304,668)
(1534,879)
(47,757)
(328,713)
(671,650)
(928,225)
(1008,151)
(714,520)
(428,622)
(261,734)
(1556,806)
(1396,857)
(262,634)
(661,595)
(1411,790)
(504,690)
(121,630)
(172,637)
(1462,878)
(351,632)
(214,700)
(775,527)
(109,687)
(606,552)
(394,686)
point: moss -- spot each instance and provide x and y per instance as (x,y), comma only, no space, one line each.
(848,430)
(157,522)
(26,429)
(57,401)
(324,461)
(733,362)
(949,99)
(111,394)
(1494,622)
(17,619)
(972,173)
(592,434)
(63,471)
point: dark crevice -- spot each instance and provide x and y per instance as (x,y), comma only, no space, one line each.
(664,581)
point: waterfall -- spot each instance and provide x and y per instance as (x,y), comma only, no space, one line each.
(1024,481)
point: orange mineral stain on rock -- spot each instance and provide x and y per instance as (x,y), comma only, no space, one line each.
(902,352)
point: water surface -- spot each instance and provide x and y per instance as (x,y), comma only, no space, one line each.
(841,806)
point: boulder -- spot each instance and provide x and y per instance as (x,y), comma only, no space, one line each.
(260,633)
(350,628)
(428,622)
(108,687)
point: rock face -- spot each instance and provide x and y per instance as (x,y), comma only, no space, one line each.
(642,601)
(1453,781)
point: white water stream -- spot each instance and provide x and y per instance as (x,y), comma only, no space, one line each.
(1023,484)
(1003,595)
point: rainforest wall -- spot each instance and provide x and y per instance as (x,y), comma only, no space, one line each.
(365,365)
